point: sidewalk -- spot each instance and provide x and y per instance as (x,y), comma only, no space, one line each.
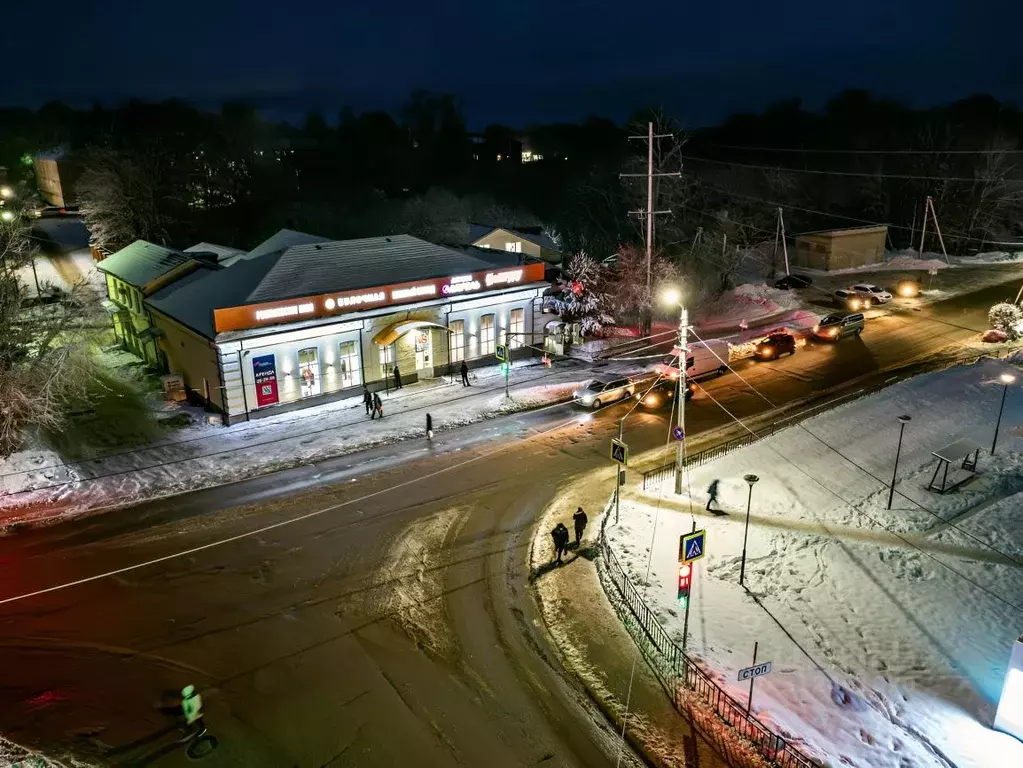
(595,646)
(37,484)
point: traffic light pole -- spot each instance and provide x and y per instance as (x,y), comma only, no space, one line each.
(683,357)
(618,471)
(685,621)
(507,373)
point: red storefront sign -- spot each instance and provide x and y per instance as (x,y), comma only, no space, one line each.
(264,373)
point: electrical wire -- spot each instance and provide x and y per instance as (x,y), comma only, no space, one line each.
(859,174)
(802,150)
(761,395)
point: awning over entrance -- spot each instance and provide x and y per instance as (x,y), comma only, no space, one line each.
(391,333)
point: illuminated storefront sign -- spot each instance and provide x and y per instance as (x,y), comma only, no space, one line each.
(271,313)
(291,310)
(264,374)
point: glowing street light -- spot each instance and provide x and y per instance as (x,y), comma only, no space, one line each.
(898,451)
(7,215)
(6,192)
(673,297)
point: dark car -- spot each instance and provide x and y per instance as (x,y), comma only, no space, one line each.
(661,394)
(789,282)
(833,327)
(776,345)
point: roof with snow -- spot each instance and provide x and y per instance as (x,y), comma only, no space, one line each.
(225,254)
(141,262)
(478,231)
(286,238)
(316,268)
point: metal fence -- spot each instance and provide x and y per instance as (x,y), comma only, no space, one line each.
(680,674)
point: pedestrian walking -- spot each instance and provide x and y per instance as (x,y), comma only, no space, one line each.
(580,520)
(344,371)
(465,374)
(367,400)
(429,427)
(397,377)
(191,706)
(712,495)
(560,536)
(378,406)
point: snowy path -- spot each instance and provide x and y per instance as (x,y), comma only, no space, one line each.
(889,630)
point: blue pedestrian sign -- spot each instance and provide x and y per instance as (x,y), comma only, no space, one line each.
(694,546)
(678,433)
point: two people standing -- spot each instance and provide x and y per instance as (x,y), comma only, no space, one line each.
(560,533)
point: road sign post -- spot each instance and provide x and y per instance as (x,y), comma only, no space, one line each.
(691,547)
(694,546)
(752,673)
(501,353)
(619,454)
(619,451)
(678,433)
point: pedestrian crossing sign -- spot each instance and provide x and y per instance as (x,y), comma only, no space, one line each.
(502,353)
(619,451)
(694,546)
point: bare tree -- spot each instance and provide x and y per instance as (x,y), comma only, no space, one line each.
(45,362)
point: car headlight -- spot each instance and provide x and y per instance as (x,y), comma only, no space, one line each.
(651,400)
(587,399)
(816,329)
(833,332)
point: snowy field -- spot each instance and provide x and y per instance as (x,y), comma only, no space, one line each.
(37,484)
(889,630)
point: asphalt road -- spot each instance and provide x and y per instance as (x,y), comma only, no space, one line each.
(370,610)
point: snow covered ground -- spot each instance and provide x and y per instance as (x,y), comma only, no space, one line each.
(889,630)
(751,303)
(37,483)
(63,271)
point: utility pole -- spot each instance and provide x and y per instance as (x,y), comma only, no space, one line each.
(683,357)
(648,213)
(784,245)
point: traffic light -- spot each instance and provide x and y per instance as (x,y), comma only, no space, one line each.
(505,367)
(685,579)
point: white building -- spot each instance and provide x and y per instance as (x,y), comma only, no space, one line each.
(315,321)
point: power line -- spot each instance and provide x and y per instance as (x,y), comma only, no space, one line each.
(802,150)
(761,395)
(859,174)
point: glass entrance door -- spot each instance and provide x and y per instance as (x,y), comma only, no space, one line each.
(424,350)
(309,371)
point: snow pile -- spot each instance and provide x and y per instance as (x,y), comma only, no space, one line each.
(752,304)
(990,257)
(889,630)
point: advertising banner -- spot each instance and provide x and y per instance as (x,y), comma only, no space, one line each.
(264,373)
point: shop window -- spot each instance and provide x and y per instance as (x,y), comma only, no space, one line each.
(457,341)
(487,335)
(348,364)
(515,247)
(386,360)
(309,371)
(517,328)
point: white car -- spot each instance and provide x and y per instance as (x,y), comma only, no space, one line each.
(876,294)
(603,391)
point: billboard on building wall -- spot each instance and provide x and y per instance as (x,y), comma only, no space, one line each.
(264,373)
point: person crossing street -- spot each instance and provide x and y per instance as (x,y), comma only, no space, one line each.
(580,520)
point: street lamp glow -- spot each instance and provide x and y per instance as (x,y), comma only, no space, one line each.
(6,192)
(7,215)
(1007,378)
(671,296)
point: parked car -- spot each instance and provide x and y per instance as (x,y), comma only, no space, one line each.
(603,391)
(775,345)
(703,358)
(661,394)
(834,327)
(793,281)
(875,293)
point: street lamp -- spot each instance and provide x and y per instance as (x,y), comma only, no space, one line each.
(902,428)
(752,480)
(7,215)
(1006,379)
(673,297)
(6,192)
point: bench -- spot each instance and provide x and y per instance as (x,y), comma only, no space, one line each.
(965,450)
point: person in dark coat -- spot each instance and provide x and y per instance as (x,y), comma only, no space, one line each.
(378,406)
(580,520)
(712,495)
(429,427)
(367,400)
(397,377)
(560,536)
(465,374)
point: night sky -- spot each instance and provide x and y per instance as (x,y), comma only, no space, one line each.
(521,62)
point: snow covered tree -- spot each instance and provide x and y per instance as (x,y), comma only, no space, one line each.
(1007,318)
(628,288)
(582,298)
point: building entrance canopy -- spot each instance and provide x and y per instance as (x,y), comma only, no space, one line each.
(391,333)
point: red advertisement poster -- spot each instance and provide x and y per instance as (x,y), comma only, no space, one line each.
(264,373)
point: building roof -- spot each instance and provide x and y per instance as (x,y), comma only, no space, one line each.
(225,254)
(478,231)
(316,268)
(346,265)
(142,262)
(865,230)
(286,238)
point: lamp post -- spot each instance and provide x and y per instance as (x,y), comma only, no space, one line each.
(752,480)
(898,451)
(1006,379)
(673,296)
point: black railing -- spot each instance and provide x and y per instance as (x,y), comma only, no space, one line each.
(682,677)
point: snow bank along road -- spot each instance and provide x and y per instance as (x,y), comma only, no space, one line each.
(385,620)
